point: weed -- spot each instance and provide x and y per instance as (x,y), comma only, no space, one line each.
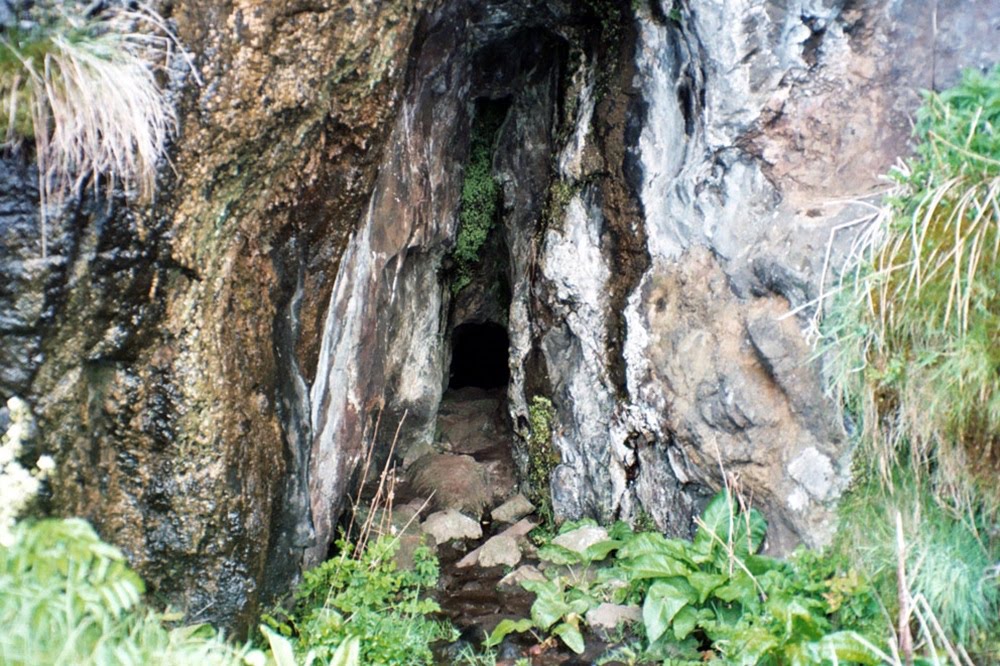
(366,598)
(713,594)
(914,330)
(949,559)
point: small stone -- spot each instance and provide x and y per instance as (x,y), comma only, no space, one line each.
(513,510)
(581,538)
(448,525)
(608,616)
(501,549)
(513,580)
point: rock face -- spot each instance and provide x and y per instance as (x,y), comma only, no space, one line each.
(209,370)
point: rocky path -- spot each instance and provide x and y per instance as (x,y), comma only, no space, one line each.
(459,496)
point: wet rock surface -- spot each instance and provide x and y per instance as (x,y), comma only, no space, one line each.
(208,370)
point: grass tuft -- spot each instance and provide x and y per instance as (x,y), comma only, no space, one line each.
(84,90)
(916,326)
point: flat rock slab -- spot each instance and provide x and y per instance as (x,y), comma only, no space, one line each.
(449,525)
(501,549)
(581,538)
(523,573)
(608,616)
(513,510)
(517,530)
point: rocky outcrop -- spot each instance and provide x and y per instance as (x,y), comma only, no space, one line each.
(166,351)
(209,370)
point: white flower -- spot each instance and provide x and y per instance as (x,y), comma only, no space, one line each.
(15,434)
(45,464)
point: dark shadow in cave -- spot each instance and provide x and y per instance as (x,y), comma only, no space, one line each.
(479,355)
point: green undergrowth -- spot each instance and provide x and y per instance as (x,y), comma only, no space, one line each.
(712,599)
(66,597)
(950,559)
(914,331)
(913,336)
(480,195)
(366,603)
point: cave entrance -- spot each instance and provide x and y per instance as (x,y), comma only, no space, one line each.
(479,356)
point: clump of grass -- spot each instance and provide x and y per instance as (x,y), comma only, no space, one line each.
(916,327)
(83,88)
(949,559)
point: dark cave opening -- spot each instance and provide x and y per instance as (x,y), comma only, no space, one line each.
(479,355)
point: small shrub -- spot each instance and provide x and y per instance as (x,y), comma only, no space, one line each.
(369,600)
(714,595)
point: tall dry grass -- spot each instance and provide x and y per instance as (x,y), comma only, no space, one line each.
(83,89)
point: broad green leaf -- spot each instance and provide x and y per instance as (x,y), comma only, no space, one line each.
(749,530)
(655,565)
(556,554)
(849,646)
(650,543)
(740,588)
(507,627)
(348,653)
(620,531)
(663,601)
(281,648)
(704,583)
(684,622)
(750,646)
(801,617)
(570,635)
(600,550)
(715,520)
(550,605)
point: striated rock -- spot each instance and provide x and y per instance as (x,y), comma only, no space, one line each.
(208,371)
(450,525)
(501,549)
(513,510)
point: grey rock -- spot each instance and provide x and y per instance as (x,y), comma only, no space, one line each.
(513,510)
(523,573)
(580,539)
(501,549)
(450,525)
(608,616)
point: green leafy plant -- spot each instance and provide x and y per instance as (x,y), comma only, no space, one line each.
(66,597)
(365,600)
(713,595)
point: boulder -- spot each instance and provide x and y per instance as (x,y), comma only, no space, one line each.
(501,549)
(513,510)
(449,525)
(581,538)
